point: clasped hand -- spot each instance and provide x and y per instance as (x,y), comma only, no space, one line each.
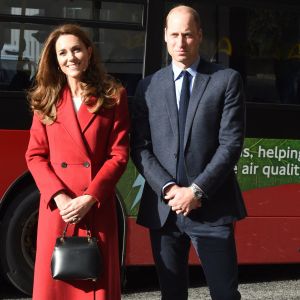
(181,199)
(72,210)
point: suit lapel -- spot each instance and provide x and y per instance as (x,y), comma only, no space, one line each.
(168,86)
(199,86)
(66,116)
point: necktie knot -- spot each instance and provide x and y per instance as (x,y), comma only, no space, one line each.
(185,83)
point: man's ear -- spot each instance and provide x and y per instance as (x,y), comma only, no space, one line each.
(200,35)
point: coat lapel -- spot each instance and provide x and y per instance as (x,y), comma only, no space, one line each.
(170,96)
(85,117)
(199,86)
(66,116)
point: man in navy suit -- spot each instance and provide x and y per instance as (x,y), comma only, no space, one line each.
(187,136)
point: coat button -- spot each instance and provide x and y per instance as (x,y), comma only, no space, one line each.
(175,155)
(64,164)
(86,164)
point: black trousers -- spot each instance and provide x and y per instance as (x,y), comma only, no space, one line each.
(215,246)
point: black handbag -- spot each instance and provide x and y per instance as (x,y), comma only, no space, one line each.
(76,258)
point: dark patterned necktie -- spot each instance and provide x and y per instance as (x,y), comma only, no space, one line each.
(181,177)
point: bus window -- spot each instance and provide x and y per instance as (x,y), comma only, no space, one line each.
(118,34)
(265,49)
(266,52)
(121,48)
(122,53)
(18,57)
(110,11)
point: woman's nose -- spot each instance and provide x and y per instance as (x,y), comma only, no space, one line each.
(70,55)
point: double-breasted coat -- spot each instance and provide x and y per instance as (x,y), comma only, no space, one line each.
(83,153)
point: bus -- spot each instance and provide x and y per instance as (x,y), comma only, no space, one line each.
(259,38)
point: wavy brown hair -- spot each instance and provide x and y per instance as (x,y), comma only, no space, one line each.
(99,88)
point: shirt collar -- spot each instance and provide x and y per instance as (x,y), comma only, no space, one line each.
(192,69)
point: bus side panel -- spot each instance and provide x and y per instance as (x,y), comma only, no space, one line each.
(282,200)
(268,240)
(12,160)
(259,240)
(138,247)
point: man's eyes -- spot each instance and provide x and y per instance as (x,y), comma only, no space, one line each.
(186,35)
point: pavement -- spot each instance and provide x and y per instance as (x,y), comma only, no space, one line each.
(275,282)
(275,290)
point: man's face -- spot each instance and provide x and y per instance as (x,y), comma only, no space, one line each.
(183,38)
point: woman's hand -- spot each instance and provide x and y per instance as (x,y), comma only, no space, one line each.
(61,199)
(77,208)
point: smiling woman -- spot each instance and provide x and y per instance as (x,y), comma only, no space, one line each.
(73,57)
(75,168)
(69,58)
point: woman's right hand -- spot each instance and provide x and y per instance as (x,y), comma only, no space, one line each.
(61,199)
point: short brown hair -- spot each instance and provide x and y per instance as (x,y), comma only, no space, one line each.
(193,12)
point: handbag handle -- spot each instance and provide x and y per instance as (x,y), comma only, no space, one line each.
(88,233)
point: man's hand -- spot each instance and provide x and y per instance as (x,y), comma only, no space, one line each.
(170,190)
(181,199)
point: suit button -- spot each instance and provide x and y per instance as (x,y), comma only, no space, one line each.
(175,155)
(86,164)
(64,164)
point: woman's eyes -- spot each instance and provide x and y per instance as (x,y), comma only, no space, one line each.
(75,50)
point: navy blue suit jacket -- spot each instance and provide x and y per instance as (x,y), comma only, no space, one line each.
(214,135)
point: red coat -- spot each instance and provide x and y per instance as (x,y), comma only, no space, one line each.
(82,154)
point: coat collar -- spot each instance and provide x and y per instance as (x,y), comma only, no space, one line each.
(74,124)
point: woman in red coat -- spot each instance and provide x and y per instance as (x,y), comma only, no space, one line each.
(78,150)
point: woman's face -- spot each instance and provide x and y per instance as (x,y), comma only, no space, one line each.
(72,55)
